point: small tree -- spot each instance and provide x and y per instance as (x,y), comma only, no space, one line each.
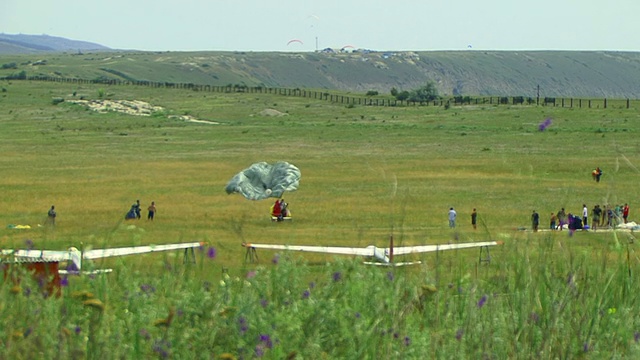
(425,93)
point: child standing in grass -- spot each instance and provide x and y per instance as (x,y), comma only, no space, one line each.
(553,221)
(152,210)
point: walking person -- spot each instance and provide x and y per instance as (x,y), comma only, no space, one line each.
(51,215)
(535,221)
(585,213)
(553,221)
(474,218)
(152,210)
(137,209)
(562,218)
(625,212)
(452,218)
(595,217)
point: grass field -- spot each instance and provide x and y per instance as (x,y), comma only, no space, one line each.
(367,173)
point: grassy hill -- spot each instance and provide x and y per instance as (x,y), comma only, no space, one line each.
(496,73)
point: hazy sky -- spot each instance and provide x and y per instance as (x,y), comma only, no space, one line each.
(268,25)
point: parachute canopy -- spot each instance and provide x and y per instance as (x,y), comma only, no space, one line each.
(295,41)
(262,180)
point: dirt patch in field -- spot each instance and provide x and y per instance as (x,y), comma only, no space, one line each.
(132,107)
(272,112)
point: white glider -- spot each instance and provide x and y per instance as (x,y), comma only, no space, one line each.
(382,256)
(77,256)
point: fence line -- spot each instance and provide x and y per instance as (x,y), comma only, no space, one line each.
(343,99)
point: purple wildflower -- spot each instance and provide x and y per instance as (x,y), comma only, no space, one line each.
(407,341)
(259,350)
(242,321)
(251,274)
(585,347)
(276,259)
(266,340)
(147,289)
(305,294)
(459,334)
(73,268)
(77,330)
(161,347)
(264,303)
(64,281)
(545,124)
(482,301)
(358,315)
(27,291)
(396,335)
(337,276)
(636,336)
(390,276)
(211,252)
(312,285)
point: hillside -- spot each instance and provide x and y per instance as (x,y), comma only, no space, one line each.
(31,44)
(580,74)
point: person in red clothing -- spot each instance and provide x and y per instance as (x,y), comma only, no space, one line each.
(276,210)
(625,212)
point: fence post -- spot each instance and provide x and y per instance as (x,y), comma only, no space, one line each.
(605,103)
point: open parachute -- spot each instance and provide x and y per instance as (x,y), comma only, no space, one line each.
(262,180)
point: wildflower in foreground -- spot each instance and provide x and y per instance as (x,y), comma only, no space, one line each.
(459,334)
(407,341)
(306,294)
(266,340)
(337,276)
(482,301)
(211,253)
(636,336)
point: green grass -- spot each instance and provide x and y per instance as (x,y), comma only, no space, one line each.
(367,172)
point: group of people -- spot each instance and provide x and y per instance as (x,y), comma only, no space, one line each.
(136,211)
(600,217)
(453,215)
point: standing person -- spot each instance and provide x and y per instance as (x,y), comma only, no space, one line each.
(585,213)
(595,216)
(597,173)
(535,220)
(152,210)
(452,218)
(474,218)
(137,209)
(51,215)
(553,221)
(562,218)
(625,212)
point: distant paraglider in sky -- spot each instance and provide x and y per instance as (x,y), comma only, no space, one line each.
(294,41)
(262,180)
